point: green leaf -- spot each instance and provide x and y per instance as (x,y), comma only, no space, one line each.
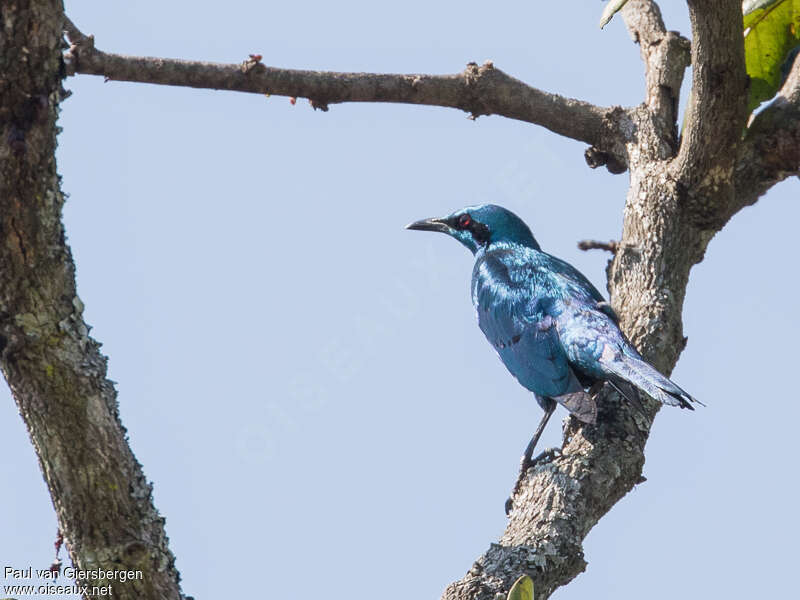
(612,7)
(522,589)
(771,32)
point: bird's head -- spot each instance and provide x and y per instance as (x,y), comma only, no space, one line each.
(479,226)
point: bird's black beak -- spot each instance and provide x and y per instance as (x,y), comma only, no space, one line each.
(430,225)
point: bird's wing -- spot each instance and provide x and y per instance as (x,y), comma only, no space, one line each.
(645,377)
(578,284)
(596,346)
(514,309)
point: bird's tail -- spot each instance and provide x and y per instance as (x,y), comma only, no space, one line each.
(651,382)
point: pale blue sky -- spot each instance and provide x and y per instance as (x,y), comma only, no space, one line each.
(303,380)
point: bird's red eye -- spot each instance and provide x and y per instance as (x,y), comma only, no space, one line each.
(464,221)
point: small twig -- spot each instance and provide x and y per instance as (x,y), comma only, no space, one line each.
(610,246)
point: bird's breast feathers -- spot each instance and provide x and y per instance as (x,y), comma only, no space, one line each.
(530,280)
(517,307)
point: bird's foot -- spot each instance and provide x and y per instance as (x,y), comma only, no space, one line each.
(546,456)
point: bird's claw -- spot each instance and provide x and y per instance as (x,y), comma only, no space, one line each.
(525,465)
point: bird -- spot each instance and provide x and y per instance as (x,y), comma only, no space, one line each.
(553,330)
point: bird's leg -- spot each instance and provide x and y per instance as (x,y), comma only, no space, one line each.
(527,462)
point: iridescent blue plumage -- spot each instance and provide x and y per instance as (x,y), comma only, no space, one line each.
(550,326)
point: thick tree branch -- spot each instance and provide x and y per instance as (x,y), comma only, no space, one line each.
(478,90)
(771,149)
(561,500)
(665,55)
(716,114)
(54,369)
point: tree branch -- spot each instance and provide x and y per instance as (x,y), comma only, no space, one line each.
(716,114)
(478,90)
(610,246)
(56,372)
(559,503)
(560,500)
(665,55)
(665,233)
(771,149)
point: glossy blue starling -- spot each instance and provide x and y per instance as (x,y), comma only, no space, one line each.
(550,326)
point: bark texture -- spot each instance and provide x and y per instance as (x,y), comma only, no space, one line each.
(55,370)
(682,191)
